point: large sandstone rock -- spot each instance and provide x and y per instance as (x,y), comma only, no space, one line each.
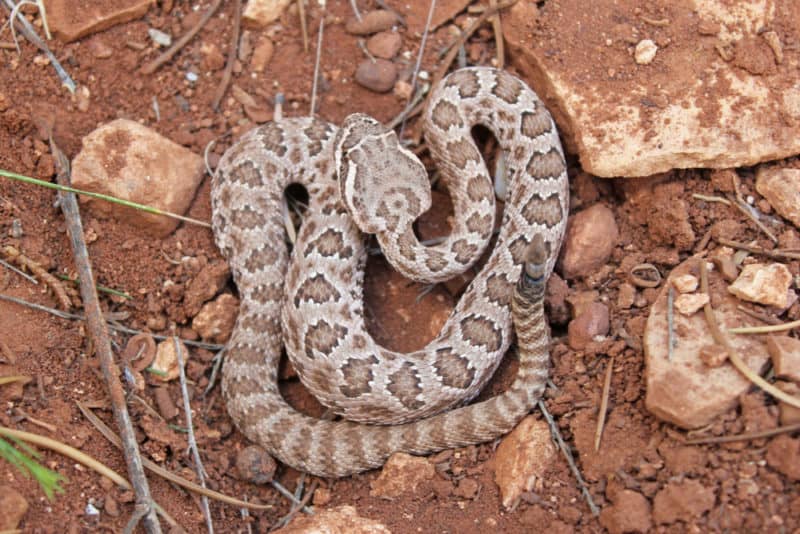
(340,520)
(708,98)
(70,20)
(129,161)
(522,459)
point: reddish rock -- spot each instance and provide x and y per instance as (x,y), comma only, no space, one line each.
(682,501)
(594,321)
(70,21)
(372,22)
(384,45)
(630,512)
(781,188)
(785,354)
(255,465)
(207,283)
(789,415)
(403,473)
(339,520)
(13,507)
(377,76)
(262,54)
(215,320)
(522,459)
(783,455)
(591,237)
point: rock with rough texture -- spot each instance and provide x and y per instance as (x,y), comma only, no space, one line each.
(126,160)
(630,512)
(262,54)
(165,366)
(704,106)
(378,75)
(522,459)
(402,473)
(339,520)
(783,455)
(789,415)
(255,465)
(593,322)
(13,508)
(785,354)
(215,320)
(764,284)
(207,283)
(645,52)
(781,188)
(684,390)
(70,21)
(690,303)
(384,45)
(591,237)
(372,22)
(682,501)
(686,283)
(259,13)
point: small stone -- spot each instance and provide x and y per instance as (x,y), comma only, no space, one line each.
(255,465)
(645,52)
(262,54)
(727,267)
(259,13)
(785,354)
(789,415)
(764,284)
(682,501)
(83,98)
(212,57)
(111,506)
(586,327)
(781,188)
(522,458)
(384,45)
(626,295)
(774,42)
(402,473)
(13,506)
(100,49)
(591,237)
(322,496)
(70,21)
(630,512)
(165,404)
(713,355)
(207,283)
(378,76)
(403,90)
(215,320)
(160,38)
(467,488)
(165,365)
(783,455)
(690,303)
(556,300)
(147,168)
(372,22)
(339,520)
(685,283)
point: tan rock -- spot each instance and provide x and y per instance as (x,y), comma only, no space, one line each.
(763,284)
(259,13)
(785,354)
(685,283)
(645,52)
(684,390)
(13,507)
(402,474)
(126,160)
(714,355)
(378,76)
(372,22)
(70,21)
(262,54)
(165,365)
(207,283)
(522,459)
(384,45)
(783,455)
(339,520)
(690,303)
(591,237)
(676,118)
(630,512)
(781,188)
(682,501)
(587,326)
(789,415)
(215,320)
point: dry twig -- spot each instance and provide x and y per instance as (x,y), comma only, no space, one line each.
(773,254)
(746,436)
(52,282)
(601,420)
(782,327)
(232,54)
(497,27)
(301,11)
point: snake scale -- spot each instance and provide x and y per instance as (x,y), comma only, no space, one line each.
(360,180)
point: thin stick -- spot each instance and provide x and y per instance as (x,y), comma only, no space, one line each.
(601,420)
(314,83)
(38,422)
(421,53)
(746,436)
(50,281)
(99,336)
(163,473)
(301,11)
(127,203)
(289,495)
(187,409)
(744,208)
(232,54)
(757,315)
(19,272)
(168,54)
(570,460)
(783,327)
(707,198)
(296,507)
(411,109)
(497,27)
(774,254)
(734,357)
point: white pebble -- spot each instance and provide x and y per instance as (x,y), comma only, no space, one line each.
(159,37)
(645,52)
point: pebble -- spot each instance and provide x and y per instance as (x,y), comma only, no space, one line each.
(262,54)
(781,188)
(785,354)
(626,295)
(522,459)
(14,507)
(645,52)
(630,512)
(214,322)
(111,506)
(403,90)
(593,322)
(100,49)
(372,22)
(82,98)
(789,415)
(260,13)
(783,455)
(336,520)
(713,355)
(378,76)
(384,45)
(685,283)
(207,283)
(690,303)
(255,465)
(322,496)
(165,365)
(212,57)
(402,474)
(160,38)
(682,501)
(164,402)
(763,284)
(591,237)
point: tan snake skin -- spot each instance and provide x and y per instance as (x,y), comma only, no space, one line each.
(381,188)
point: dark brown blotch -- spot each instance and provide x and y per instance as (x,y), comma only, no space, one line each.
(481,332)
(323,337)
(405,385)
(546,211)
(453,368)
(466,82)
(357,376)
(535,123)
(316,289)
(330,243)
(444,115)
(507,88)
(272,138)
(546,166)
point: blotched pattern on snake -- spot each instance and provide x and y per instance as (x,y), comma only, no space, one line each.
(360,179)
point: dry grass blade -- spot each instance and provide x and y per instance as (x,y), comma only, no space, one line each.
(163,473)
(774,254)
(745,437)
(783,327)
(601,420)
(301,11)
(734,357)
(232,54)
(52,282)
(497,27)
(14,378)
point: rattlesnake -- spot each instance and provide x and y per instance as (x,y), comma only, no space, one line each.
(359,175)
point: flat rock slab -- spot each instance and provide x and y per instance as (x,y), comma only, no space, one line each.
(70,20)
(718,93)
(126,160)
(684,390)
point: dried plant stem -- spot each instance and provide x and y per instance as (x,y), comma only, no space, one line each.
(744,437)
(232,53)
(742,206)
(301,11)
(774,254)
(99,336)
(707,198)
(783,327)
(734,357)
(497,27)
(19,272)
(601,419)
(315,81)
(51,281)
